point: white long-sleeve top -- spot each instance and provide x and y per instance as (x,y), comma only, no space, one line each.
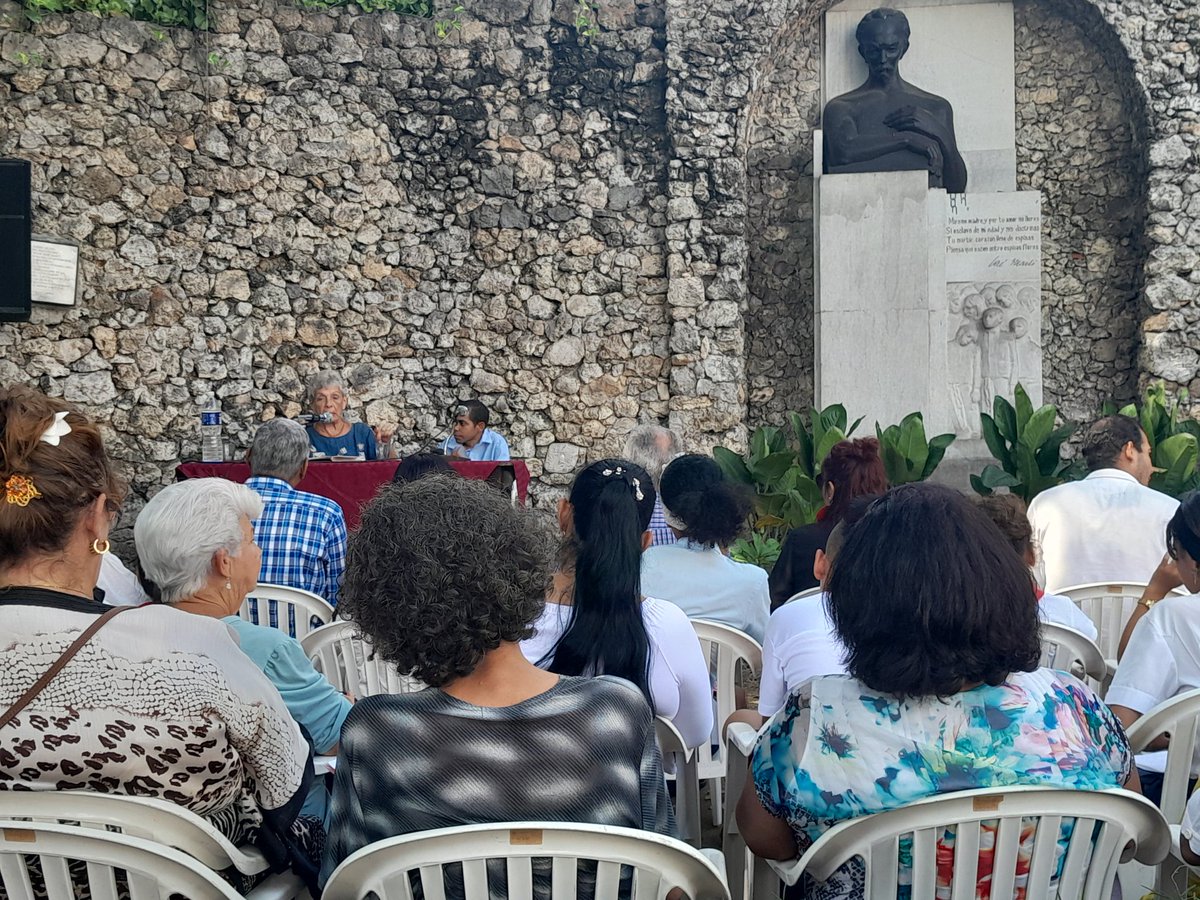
(679,684)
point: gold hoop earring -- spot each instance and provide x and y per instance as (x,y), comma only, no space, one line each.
(100,547)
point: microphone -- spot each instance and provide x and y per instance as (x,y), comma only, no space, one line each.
(315,418)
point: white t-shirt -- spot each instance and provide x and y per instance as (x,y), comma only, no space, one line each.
(707,584)
(120,586)
(1106,527)
(679,682)
(1064,611)
(1190,831)
(800,644)
(1162,659)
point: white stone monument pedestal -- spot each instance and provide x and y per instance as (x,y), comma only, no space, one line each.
(926,302)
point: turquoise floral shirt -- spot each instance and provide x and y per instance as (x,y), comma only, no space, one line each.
(838,750)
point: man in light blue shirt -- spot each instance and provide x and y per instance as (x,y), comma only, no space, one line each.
(472,439)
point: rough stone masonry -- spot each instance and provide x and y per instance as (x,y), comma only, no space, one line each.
(570,228)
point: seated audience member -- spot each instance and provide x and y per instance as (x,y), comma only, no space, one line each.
(952,700)
(327,394)
(472,439)
(652,447)
(493,738)
(707,512)
(196,546)
(1109,526)
(852,469)
(121,587)
(801,643)
(155,702)
(302,536)
(596,620)
(1161,656)
(1189,840)
(1007,512)
(421,464)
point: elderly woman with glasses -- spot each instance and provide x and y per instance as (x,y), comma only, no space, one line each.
(326,395)
(196,547)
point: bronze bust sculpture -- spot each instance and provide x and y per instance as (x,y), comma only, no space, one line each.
(887,124)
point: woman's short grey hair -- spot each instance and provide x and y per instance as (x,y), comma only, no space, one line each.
(184,525)
(652,447)
(324,379)
(279,450)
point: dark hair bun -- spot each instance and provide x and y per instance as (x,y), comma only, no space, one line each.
(713,509)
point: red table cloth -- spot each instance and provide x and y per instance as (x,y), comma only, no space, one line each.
(352,484)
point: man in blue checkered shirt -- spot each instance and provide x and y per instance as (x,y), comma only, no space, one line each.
(652,447)
(302,536)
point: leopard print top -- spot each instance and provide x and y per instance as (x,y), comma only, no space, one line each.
(159,703)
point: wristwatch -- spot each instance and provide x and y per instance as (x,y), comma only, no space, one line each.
(1146,602)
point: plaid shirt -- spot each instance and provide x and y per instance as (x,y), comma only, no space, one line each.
(659,528)
(303,539)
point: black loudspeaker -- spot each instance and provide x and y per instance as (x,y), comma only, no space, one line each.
(16,222)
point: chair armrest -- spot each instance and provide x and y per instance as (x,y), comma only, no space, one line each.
(741,738)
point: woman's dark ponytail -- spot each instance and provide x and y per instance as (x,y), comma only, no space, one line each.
(612,501)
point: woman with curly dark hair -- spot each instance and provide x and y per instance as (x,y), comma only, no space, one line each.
(597,619)
(851,469)
(707,512)
(445,577)
(944,692)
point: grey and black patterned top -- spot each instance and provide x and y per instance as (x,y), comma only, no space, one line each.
(583,751)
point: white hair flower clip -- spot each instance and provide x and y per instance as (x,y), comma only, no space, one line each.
(58,429)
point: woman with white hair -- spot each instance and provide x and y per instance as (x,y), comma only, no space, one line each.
(326,393)
(196,547)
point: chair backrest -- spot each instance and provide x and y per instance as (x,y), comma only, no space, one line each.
(1178,717)
(679,762)
(1016,831)
(342,655)
(1067,650)
(1109,605)
(724,647)
(152,871)
(142,817)
(287,608)
(658,863)
(807,592)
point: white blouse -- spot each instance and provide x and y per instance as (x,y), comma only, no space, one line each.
(679,684)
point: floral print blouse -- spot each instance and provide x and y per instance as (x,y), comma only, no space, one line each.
(838,750)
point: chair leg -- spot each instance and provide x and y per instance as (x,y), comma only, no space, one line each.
(715,796)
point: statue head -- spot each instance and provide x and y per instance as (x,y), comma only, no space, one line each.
(1018,326)
(1006,295)
(973,306)
(882,37)
(966,335)
(992,317)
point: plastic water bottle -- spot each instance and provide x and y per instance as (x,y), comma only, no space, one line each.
(211,448)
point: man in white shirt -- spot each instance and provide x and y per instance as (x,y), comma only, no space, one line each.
(1109,526)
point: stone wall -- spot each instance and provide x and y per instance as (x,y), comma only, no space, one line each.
(585,233)
(479,216)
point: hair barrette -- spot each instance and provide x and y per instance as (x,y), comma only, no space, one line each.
(20,489)
(58,429)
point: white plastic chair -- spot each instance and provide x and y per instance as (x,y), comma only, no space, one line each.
(1179,718)
(1068,650)
(724,647)
(659,863)
(679,761)
(154,820)
(340,652)
(1109,826)
(1109,605)
(807,592)
(154,871)
(295,610)
(748,876)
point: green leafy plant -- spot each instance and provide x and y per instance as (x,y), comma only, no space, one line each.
(1027,445)
(444,27)
(756,550)
(906,454)
(783,472)
(585,19)
(1174,439)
